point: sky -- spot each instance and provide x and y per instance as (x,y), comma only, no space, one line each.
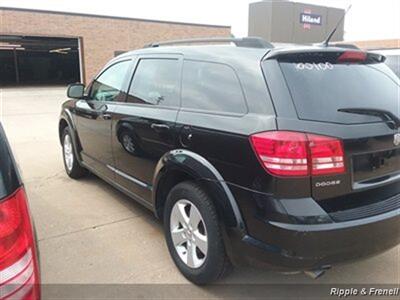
(367,19)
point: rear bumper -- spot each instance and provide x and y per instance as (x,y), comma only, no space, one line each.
(314,246)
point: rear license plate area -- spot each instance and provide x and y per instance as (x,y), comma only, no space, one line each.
(375,165)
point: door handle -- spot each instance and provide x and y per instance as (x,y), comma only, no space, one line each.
(106,116)
(159,127)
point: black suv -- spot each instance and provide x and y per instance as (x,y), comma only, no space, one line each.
(283,156)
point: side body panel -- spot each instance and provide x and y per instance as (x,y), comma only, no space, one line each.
(141,134)
(94,127)
(93,121)
(223,140)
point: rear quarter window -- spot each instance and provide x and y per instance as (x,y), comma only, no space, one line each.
(212,87)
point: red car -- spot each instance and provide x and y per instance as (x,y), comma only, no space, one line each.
(19,265)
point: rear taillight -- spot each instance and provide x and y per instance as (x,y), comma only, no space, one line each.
(352,56)
(19,274)
(282,152)
(287,153)
(326,155)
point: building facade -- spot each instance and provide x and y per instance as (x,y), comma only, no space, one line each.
(36,42)
(378,44)
(283,21)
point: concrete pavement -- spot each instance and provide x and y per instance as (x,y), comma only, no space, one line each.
(91,233)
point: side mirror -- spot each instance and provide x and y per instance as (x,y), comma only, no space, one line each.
(76,90)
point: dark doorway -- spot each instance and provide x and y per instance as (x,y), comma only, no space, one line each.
(27,60)
(7,67)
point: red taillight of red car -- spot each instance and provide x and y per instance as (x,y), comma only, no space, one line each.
(19,273)
(288,153)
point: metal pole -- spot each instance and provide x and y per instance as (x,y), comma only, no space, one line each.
(81,61)
(16,66)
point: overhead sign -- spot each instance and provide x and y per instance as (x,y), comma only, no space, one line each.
(308,19)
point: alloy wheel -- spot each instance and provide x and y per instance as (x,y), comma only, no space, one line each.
(189,234)
(68,152)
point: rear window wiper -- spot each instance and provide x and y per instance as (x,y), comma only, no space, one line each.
(391,119)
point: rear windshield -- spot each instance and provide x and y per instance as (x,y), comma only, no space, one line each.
(320,89)
(9,180)
(393,61)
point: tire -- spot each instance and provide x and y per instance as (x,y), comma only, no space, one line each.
(202,268)
(71,164)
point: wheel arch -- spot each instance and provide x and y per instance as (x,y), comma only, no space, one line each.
(182,165)
(66,120)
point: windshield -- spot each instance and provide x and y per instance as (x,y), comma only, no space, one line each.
(320,89)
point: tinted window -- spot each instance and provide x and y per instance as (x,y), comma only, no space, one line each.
(212,87)
(107,87)
(319,90)
(393,61)
(9,181)
(156,82)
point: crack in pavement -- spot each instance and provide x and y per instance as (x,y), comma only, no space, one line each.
(88,228)
(32,180)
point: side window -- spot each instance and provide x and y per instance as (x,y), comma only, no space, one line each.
(107,87)
(156,82)
(212,87)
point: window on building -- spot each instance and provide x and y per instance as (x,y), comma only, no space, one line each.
(212,87)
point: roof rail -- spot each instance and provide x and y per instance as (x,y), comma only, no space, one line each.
(248,42)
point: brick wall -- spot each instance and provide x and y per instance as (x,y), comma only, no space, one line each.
(378,44)
(101,36)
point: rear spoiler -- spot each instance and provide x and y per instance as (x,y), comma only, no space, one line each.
(311,53)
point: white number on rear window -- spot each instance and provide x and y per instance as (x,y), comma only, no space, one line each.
(314,66)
